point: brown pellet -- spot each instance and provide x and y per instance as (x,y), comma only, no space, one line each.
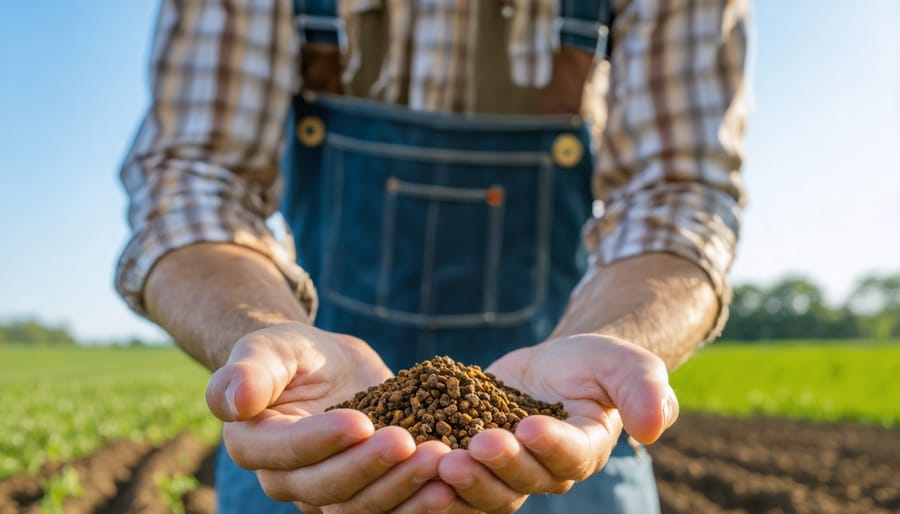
(446,401)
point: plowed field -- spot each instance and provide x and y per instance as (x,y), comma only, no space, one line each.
(705,464)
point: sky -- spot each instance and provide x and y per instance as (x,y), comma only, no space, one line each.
(822,169)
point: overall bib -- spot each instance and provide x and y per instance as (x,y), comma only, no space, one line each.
(439,234)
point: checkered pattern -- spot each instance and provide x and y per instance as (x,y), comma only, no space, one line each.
(204,165)
(670,151)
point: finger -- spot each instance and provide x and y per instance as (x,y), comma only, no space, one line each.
(256,373)
(503,454)
(640,390)
(573,449)
(401,482)
(337,478)
(637,383)
(276,441)
(476,484)
(435,497)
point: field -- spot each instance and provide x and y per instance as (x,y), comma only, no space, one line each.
(855,382)
(107,430)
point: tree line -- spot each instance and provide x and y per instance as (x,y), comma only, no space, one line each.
(795,308)
(37,333)
(31,331)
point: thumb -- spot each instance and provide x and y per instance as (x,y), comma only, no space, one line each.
(640,390)
(648,410)
(253,378)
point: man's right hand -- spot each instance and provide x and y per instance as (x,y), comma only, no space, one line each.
(272,392)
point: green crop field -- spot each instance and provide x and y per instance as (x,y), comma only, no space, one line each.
(58,404)
(854,381)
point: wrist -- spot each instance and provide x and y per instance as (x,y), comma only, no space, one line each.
(656,301)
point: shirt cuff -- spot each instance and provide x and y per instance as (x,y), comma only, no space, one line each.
(205,222)
(687,220)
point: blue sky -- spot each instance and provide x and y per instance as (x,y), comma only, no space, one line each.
(822,170)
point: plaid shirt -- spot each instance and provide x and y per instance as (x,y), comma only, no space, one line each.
(204,165)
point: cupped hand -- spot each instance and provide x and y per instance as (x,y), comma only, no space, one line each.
(603,383)
(272,393)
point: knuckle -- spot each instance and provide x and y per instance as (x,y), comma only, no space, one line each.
(583,471)
(527,486)
(561,487)
(234,448)
(273,487)
(328,493)
(586,467)
(660,369)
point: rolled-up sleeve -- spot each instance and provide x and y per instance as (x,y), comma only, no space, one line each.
(203,166)
(667,170)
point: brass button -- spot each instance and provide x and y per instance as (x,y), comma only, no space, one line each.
(567,150)
(392,185)
(311,131)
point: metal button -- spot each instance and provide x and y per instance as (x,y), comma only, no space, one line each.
(311,131)
(392,185)
(567,150)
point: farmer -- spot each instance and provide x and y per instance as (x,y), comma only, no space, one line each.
(442,158)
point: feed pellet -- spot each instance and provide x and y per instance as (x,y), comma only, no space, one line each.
(444,400)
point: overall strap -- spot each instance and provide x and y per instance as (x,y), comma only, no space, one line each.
(585,24)
(317,21)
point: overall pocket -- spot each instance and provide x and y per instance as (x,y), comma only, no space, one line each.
(435,238)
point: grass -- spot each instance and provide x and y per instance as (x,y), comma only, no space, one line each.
(854,381)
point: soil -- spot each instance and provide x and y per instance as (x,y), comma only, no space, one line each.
(705,465)
(713,464)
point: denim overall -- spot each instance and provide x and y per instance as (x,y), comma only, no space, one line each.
(438,234)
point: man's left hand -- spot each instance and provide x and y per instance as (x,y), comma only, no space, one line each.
(603,382)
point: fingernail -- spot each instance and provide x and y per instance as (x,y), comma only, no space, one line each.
(494,461)
(670,408)
(230,393)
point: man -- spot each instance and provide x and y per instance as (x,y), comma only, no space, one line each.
(436,177)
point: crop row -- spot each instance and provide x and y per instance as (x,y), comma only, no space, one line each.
(63,404)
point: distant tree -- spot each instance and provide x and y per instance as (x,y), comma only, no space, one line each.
(794,308)
(34,332)
(748,320)
(876,302)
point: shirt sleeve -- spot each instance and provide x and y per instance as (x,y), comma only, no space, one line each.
(203,166)
(667,170)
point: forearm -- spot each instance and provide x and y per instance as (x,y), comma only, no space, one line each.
(207,296)
(659,301)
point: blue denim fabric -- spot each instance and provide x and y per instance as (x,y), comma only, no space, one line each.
(391,219)
(586,25)
(434,234)
(318,32)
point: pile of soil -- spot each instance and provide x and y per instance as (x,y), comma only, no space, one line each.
(444,400)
